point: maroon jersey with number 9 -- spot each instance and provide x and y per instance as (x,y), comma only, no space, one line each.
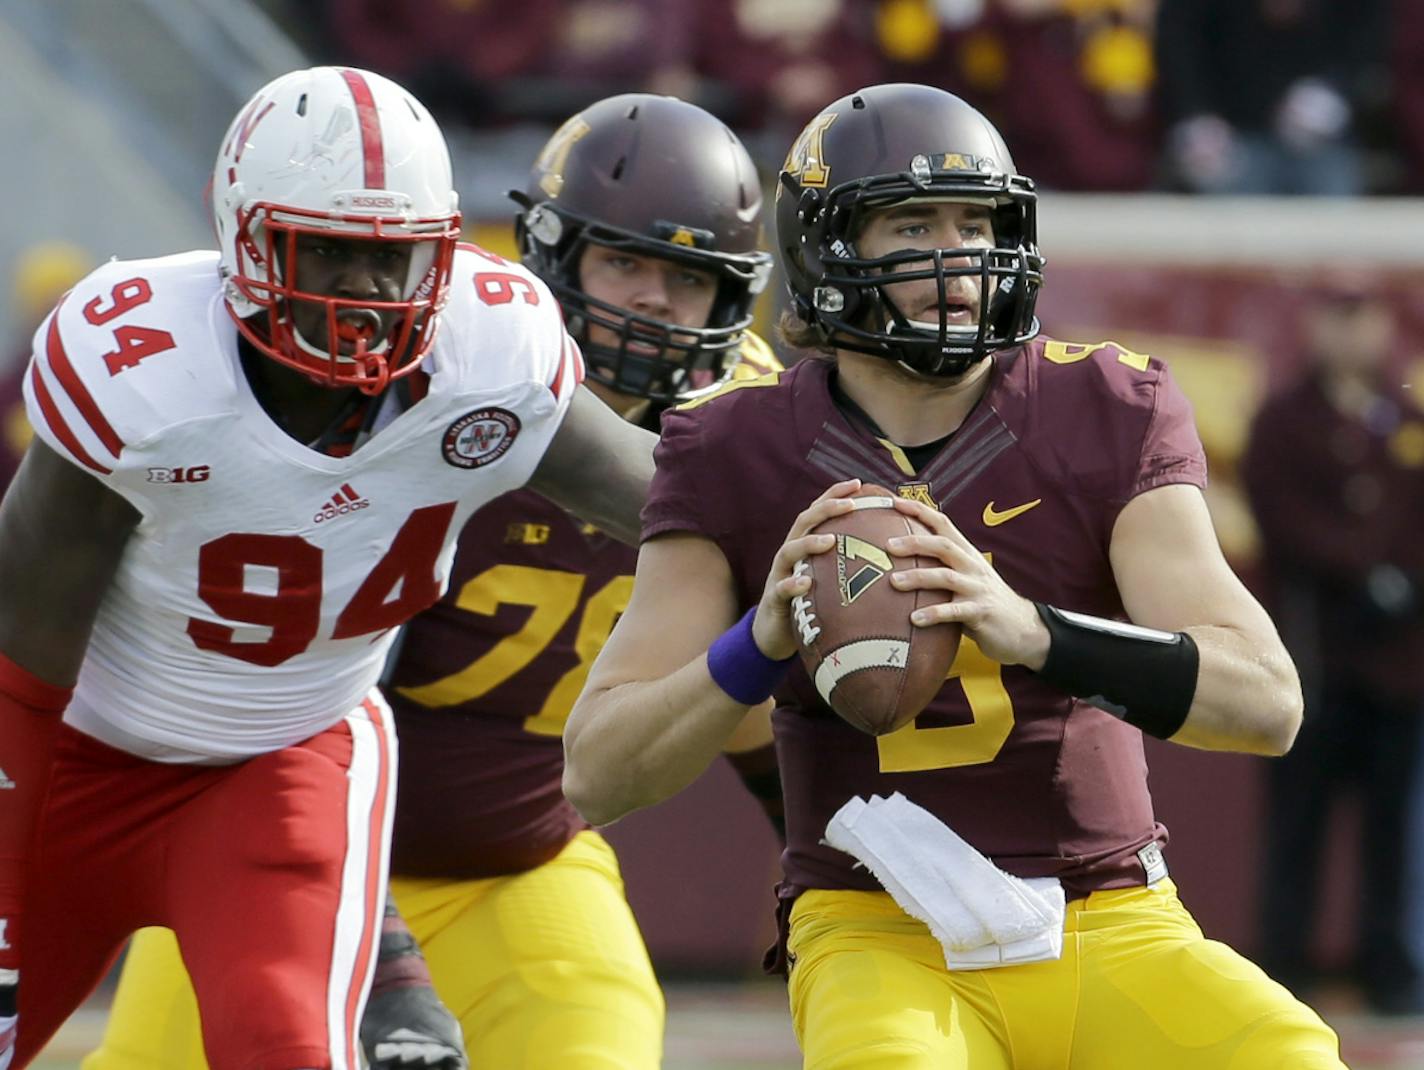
(1064,437)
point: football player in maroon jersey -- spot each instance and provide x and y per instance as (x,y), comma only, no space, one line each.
(1065,482)
(517,904)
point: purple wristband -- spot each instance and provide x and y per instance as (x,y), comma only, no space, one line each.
(738,666)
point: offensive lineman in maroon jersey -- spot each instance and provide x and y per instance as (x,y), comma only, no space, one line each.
(1069,477)
(517,905)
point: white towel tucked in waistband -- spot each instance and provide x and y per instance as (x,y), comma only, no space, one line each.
(981,915)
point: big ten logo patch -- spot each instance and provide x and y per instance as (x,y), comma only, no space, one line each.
(525,534)
(197,473)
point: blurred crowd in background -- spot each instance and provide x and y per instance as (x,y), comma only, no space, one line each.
(1269,96)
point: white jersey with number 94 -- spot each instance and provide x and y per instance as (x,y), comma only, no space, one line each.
(255,602)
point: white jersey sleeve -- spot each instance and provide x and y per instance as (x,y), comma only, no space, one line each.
(85,394)
(503,325)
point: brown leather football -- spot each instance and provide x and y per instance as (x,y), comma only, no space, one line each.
(869,663)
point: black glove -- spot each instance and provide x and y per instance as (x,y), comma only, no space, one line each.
(405,1024)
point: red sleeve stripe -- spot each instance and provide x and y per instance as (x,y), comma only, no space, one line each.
(563,364)
(568,358)
(242,130)
(575,357)
(78,393)
(373,152)
(579,369)
(56,423)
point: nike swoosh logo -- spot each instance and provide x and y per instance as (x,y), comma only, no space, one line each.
(993,518)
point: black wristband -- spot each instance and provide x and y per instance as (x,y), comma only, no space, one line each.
(1143,676)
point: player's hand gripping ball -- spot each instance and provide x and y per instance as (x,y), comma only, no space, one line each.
(869,663)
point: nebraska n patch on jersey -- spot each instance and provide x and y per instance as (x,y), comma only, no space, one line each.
(257,598)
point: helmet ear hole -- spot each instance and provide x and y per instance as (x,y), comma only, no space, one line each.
(544,225)
(808,208)
(234,197)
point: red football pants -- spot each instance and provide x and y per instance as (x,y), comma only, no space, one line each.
(272,873)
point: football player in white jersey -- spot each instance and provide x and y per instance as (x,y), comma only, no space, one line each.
(250,467)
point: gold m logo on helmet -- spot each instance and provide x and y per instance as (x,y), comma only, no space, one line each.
(555,154)
(683,236)
(807,160)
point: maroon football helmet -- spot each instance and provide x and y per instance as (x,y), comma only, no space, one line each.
(654,176)
(882,146)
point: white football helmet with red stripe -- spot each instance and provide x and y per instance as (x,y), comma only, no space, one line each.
(344,151)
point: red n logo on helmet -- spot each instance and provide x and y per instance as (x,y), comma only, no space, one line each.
(242,130)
